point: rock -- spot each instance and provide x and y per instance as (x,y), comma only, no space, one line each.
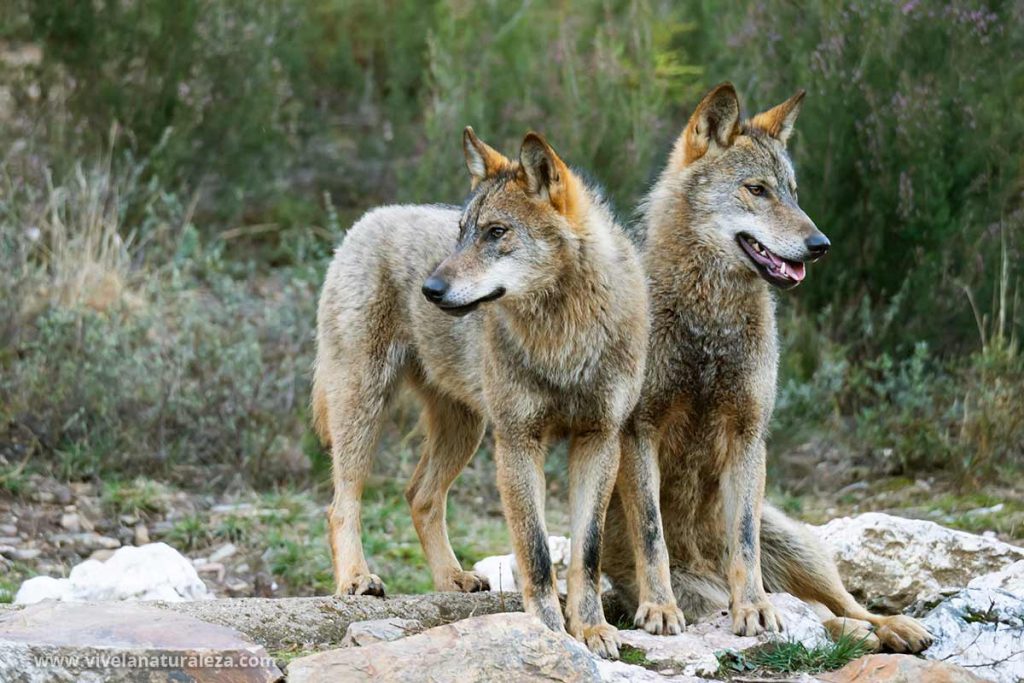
(8,530)
(899,669)
(560,548)
(503,575)
(24,554)
(101,555)
(224,552)
(70,521)
(43,588)
(889,562)
(982,629)
(62,494)
(693,651)
(499,647)
(85,542)
(141,534)
(214,568)
(284,623)
(112,642)
(363,633)
(499,570)
(1008,579)
(153,572)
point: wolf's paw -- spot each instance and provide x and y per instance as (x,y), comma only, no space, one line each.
(601,639)
(459,581)
(860,631)
(660,619)
(362,584)
(754,618)
(903,634)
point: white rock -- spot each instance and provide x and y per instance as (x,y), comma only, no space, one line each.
(982,630)
(499,570)
(1009,579)
(560,548)
(890,562)
(151,572)
(503,575)
(42,588)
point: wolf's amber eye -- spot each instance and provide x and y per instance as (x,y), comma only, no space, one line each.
(496,231)
(756,190)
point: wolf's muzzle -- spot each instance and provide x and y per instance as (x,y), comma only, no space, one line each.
(434,289)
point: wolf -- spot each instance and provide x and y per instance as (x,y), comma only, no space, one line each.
(557,349)
(722,228)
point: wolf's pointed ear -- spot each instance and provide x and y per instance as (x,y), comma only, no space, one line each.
(482,160)
(712,128)
(779,120)
(544,174)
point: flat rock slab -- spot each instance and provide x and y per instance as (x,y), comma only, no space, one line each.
(363,633)
(281,623)
(899,669)
(497,648)
(55,641)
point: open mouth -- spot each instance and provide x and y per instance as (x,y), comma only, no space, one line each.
(459,311)
(778,271)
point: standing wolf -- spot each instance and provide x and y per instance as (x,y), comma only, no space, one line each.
(557,349)
(722,226)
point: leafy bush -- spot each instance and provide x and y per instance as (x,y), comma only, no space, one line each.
(113,364)
(914,414)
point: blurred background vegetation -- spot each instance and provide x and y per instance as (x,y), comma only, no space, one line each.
(174,175)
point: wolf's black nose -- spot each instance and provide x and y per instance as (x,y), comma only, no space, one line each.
(434,288)
(817,244)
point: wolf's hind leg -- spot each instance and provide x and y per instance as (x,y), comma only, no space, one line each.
(453,433)
(795,562)
(593,467)
(357,394)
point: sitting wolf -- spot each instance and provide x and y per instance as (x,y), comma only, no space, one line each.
(722,226)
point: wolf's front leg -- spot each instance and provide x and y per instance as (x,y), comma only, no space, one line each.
(639,490)
(742,489)
(519,454)
(593,467)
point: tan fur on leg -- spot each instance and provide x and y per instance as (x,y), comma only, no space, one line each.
(638,486)
(795,562)
(453,432)
(593,466)
(519,455)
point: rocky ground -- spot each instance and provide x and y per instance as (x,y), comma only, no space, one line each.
(273,544)
(968,590)
(969,587)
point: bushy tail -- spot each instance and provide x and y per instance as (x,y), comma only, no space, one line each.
(318,404)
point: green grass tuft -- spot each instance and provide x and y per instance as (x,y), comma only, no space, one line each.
(633,655)
(794,657)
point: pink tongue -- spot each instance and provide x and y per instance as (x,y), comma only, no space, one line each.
(795,271)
